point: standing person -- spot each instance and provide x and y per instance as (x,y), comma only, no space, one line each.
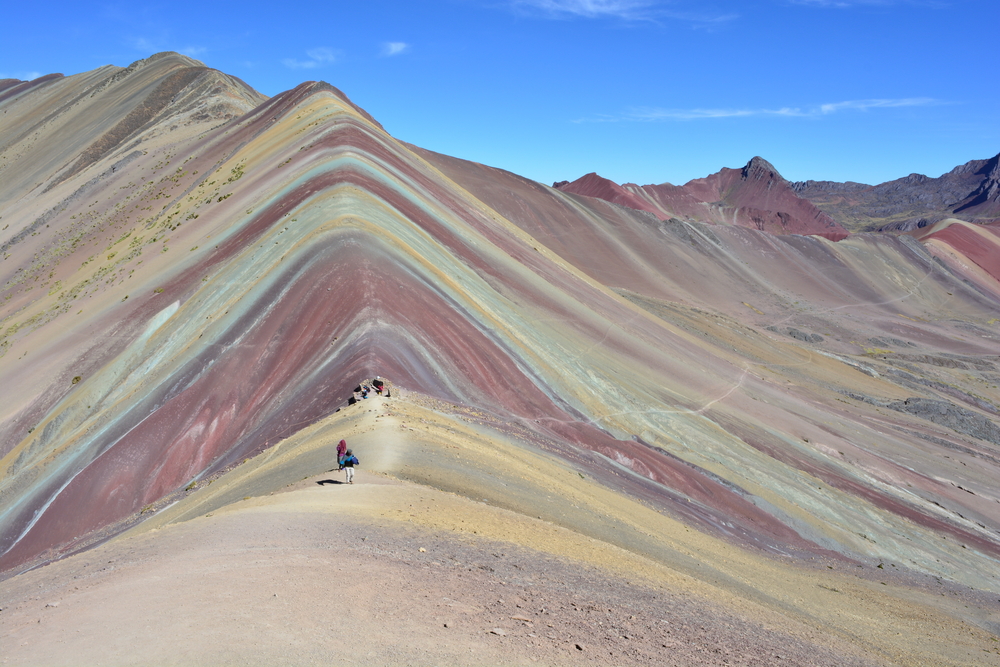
(341,450)
(350,460)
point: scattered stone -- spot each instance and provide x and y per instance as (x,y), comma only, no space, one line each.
(421,550)
(52,604)
(579,647)
(521,618)
(499,631)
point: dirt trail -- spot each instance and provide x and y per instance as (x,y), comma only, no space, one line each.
(302,581)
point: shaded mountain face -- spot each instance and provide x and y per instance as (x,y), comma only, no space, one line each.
(756,197)
(193,274)
(970,192)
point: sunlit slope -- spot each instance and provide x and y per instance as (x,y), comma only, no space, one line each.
(57,127)
(832,338)
(971,250)
(230,287)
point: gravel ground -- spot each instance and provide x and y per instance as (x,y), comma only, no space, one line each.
(257,586)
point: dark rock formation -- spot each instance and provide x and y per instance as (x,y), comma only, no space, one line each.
(970,191)
(950,415)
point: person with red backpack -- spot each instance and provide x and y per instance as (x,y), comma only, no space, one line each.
(341,450)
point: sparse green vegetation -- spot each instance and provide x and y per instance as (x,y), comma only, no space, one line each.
(237,174)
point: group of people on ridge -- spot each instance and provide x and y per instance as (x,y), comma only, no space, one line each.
(376,387)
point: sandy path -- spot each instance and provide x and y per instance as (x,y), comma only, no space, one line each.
(293,579)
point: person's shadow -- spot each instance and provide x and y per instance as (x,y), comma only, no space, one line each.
(324,482)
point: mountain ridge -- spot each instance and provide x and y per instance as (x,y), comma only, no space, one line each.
(754,196)
(970,191)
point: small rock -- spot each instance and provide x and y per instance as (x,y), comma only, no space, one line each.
(421,550)
(499,631)
(521,618)
(578,647)
(51,604)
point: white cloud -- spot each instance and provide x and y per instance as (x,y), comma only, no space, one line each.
(646,114)
(317,57)
(150,45)
(842,4)
(394,48)
(145,45)
(692,114)
(865,105)
(21,76)
(625,9)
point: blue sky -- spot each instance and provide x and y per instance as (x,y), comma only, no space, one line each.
(638,91)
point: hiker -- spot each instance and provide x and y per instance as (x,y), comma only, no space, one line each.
(350,460)
(341,450)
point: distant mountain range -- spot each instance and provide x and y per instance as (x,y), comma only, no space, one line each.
(969,192)
(758,197)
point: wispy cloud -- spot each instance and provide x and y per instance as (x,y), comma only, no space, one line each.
(846,3)
(647,114)
(623,9)
(151,45)
(22,76)
(318,57)
(144,44)
(865,105)
(394,48)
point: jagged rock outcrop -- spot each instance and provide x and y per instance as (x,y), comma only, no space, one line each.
(984,201)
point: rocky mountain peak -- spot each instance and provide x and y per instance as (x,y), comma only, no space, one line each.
(758,169)
(986,197)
